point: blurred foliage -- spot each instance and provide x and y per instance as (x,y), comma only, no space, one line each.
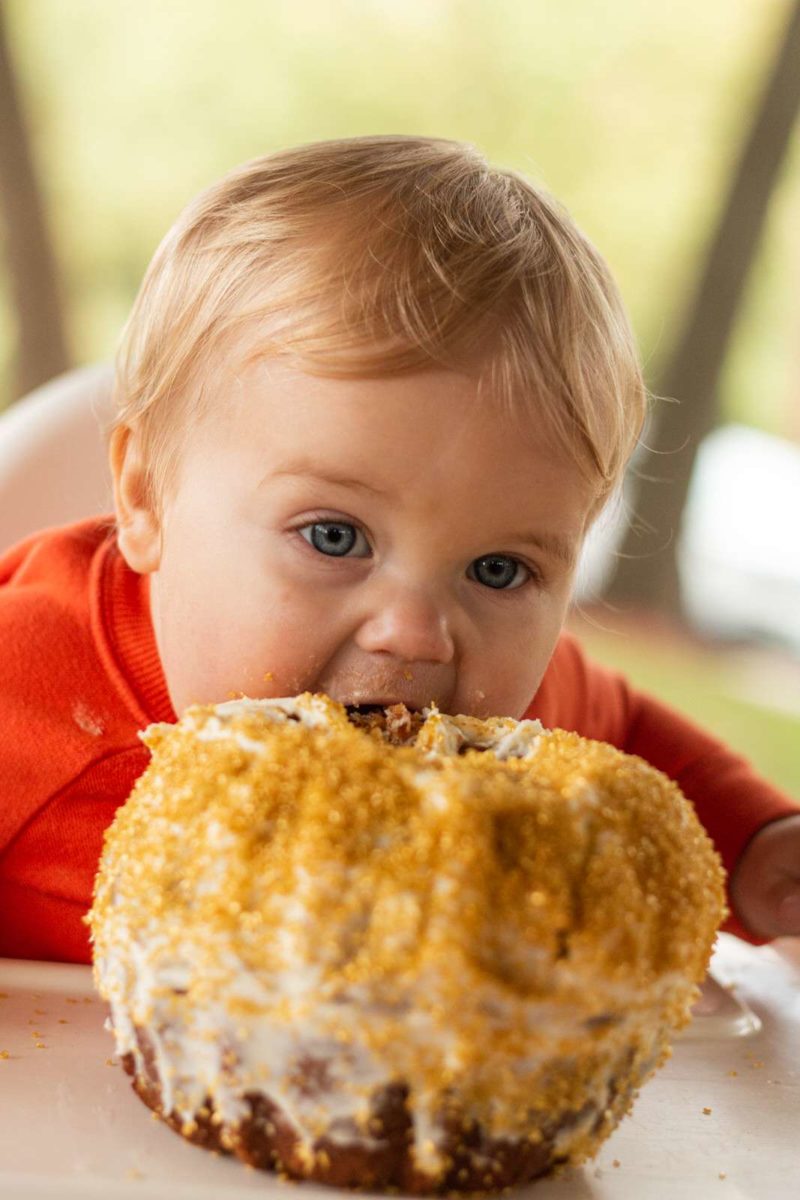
(631,113)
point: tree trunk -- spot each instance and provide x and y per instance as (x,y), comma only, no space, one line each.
(646,573)
(41,350)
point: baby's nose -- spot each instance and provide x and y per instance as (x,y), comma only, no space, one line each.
(408,625)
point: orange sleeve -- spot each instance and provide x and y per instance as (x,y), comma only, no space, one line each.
(732,801)
(54,699)
(70,708)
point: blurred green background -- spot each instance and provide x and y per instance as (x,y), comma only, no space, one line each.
(631,113)
(746,696)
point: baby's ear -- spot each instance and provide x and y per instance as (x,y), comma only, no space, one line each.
(139,529)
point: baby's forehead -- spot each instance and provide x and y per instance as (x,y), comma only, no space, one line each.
(422,440)
(253,383)
(289,409)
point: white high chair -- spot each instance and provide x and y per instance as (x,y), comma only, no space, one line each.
(53,466)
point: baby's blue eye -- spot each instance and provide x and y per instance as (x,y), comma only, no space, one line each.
(336,539)
(498,571)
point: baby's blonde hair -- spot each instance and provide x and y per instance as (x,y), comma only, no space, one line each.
(373,255)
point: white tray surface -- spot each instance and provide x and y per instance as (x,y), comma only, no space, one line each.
(72,1127)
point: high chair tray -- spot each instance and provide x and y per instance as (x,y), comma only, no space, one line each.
(721,1119)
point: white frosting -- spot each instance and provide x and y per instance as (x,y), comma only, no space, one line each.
(293,1022)
(312,710)
(521,742)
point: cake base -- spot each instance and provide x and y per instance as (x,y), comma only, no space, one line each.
(265,1138)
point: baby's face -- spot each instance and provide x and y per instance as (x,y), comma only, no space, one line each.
(379,540)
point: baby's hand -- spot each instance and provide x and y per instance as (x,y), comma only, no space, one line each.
(765,887)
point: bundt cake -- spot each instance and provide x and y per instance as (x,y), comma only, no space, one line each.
(395,949)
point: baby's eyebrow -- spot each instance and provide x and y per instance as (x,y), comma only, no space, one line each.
(302,470)
(554,545)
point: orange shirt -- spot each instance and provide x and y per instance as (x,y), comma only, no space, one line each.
(80,675)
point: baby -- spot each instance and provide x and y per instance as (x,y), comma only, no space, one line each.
(371,397)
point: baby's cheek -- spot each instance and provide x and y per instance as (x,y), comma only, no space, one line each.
(286,657)
(515,672)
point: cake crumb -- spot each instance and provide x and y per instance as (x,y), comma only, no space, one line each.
(732,1074)
(616,1163)
(722,1175)
(4,1054)
(109,1062)
(3,995)
(40,1046)
(706,1112)
(63,1021)
(133,1173)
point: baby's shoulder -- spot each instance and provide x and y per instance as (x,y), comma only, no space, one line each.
(54,557)
(48,589)
(53,569)
(59,712)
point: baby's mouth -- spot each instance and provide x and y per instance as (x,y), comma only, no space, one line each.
(398,723)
